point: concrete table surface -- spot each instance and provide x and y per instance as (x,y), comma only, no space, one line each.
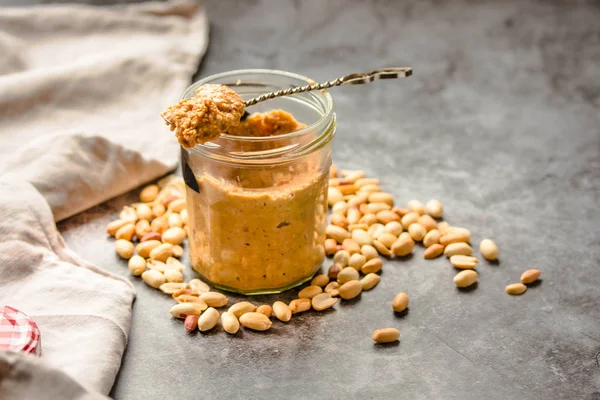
(501,122)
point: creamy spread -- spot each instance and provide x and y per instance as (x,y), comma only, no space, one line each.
(205,116)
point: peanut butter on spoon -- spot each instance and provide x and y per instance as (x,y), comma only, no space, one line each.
(213,110)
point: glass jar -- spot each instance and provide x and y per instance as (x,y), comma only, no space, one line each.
(258,205)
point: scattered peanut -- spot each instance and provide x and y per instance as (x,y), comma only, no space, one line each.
(387,239)
(182,310)
(144,212)
(488,249)
(126,232)
(341,258)
(464,262)
(443,227)
(350,246)
(332,288)
(214,299)
(330,247)
(149,193)
(400,302)
(153,278)
(334,196)
(323,301)
(372,266)
(387,216)
(427,222)
(516,289)
(350,289)
(162,252)
(433,251)
(255,321)
(191,323)
(124,248)
(368,251)
(409,219)
(230,323)
(114,226)
(282,311)
(144,248)
(300,305)
(432,237)
(369,281)
(356,261)
(458,249)
(311,291)
(530,276)
(137,265)
(239,309)
(394,227)
(465,278)
(404,245)
(416,206)
(417,232)
(333,271)
(346,275)
(382,249)
(336,232)
(172,287)
(173,275)
(174,235)
(176,205)
(320,280)
(142,228)
(434,208)
(208,320)
(266,310)
(386,335)
(454,237)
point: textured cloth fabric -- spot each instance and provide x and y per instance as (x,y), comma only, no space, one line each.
(81,90)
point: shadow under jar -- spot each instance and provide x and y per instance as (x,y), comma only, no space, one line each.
(258,205)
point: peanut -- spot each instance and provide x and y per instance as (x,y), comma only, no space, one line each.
(153,278)
(386,335)
(282,311)
(417,232)
(387,239)
(214,299)
(465,278)
(128,214)
(255,321)
(339,220)
(230,323)
(400,302)
(356,261)
(404,245)
(350,290)
(174,235)
(150,236)
(375,230)
(149,193)
(427,222)
(174,263)
(142,228)
(370,189)
(177,251)
(333,271)
(352,227)
(354,215)
(368,251)
(336,232)
(347,274)
(159,224)
(369,281)
(381,248)
(266,310)
(300,305)
(174,221)
(387,216)
(368,219)
(156,265)
(114,226)
(208,320)
(516,289)
(409,219)
(434,208)
(173,275)
(432,237)
(381,197)
(366,181)
(320,280)
(334,195)
(137,265)
(433,251)
(182,310)
(394,227)
(239,309)
(191,323)
(341,207)
(126,232)
(323,301)
(162,252)
(144,212)
(341,258)
(158,209)
(374,208)
(530,276)
(361,237)
(372,266)
(184,216)
(443,227)
(454,237)
(464,262)
(401,211)
(488,249)
(416,206)
(310,291)
(330,247)
(357,200)
(144,248)
(176,206)
(124,248)
(350,246)
(172,287)
(458,249)
(188,298)
(332,288)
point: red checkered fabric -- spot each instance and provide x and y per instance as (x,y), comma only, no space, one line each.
(18,332)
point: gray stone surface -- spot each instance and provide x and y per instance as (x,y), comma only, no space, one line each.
(501,122)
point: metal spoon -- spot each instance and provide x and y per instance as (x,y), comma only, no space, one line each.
(358,78)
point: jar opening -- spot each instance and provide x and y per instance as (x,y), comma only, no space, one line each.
(314,109)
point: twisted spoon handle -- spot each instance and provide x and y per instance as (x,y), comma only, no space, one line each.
(352,79)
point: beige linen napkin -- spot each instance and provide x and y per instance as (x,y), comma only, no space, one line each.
(81,90)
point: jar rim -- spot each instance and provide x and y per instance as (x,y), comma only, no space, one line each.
(323,97)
